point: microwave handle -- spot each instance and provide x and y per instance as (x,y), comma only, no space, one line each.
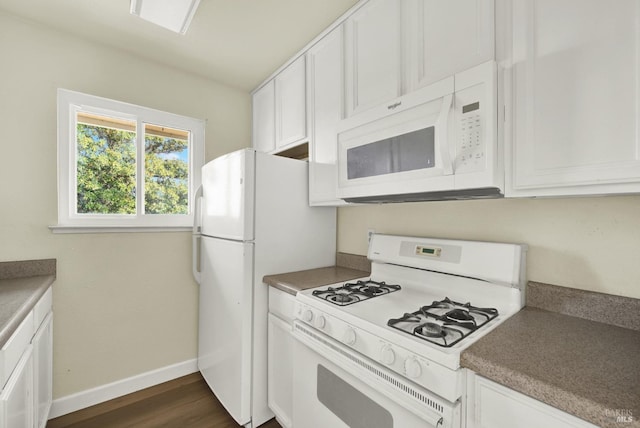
(442,125)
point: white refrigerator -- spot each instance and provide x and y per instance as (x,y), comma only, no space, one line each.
(254,219)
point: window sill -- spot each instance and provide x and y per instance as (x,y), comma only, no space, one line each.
(118,229)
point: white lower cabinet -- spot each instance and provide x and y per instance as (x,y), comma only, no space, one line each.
(25,398)
(491,405)
(16,399)
(280,356)
(43,372)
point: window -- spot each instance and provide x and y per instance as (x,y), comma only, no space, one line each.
(125,166)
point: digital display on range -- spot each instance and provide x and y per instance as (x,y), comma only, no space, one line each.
(428,251)
(471,107)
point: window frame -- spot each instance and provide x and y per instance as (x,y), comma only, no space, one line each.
(69,104)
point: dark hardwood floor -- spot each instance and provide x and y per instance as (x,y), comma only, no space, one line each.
(186,402)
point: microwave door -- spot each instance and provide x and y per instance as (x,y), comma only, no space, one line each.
(405,152)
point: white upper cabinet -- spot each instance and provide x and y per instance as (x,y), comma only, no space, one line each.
(325,101)
(575,91)
(446,37)
(373,69)
(396,47)
(279,110)
(290,104)
(264,118)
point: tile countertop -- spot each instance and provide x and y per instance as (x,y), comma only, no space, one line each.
(585,367)
(21,286)
(348,267)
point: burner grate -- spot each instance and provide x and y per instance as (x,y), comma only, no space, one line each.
(354,292)
(444,322)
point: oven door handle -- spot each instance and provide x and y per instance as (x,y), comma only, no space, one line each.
(385,381)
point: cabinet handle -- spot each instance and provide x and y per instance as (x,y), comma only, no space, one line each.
(394,105)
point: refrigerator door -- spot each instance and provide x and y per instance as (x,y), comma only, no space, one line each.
(225,323)
(228,188)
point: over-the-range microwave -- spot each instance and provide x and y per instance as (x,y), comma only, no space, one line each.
(439,142)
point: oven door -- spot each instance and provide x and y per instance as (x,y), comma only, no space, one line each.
(405,148)
(336,387)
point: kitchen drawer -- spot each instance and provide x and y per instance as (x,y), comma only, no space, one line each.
(14,348)
(42,308)
(282,304)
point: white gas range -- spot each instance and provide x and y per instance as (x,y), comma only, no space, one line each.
(384,351)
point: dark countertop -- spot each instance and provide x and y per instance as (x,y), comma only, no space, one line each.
(293,282)
(348,267)
(21,286)
(583,367)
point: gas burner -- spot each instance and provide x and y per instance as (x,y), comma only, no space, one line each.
(447,303)
(372,289)
(342,299)
(353,292)
(431,329)
(444,322)
(459,315)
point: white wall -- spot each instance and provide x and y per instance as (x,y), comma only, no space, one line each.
(124,303)
(587,243)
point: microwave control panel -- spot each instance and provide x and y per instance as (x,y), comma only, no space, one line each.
(470,147)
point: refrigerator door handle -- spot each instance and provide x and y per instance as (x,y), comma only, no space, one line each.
(196,236)
(197,212)
(195,262)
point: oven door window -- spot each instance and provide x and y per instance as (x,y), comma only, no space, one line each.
(407,152)
(353,407)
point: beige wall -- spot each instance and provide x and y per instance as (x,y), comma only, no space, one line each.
(124,303)
(588,243)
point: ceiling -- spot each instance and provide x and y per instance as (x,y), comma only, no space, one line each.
(236,42)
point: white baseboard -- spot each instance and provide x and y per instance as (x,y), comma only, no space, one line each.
(100,394)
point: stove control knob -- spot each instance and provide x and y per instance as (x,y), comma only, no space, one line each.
(307,315)
(387,355)
(320,322)
(349,336)
(412,367)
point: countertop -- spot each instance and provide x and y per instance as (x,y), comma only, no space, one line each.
(21,286)
(348,267)
(293,282)
(586,368)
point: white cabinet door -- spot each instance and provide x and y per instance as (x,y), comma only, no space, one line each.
(264,118)
(16,400)
(290,104)
(446,37)
(280,369)
(575,74)
(373,69)
(494,406)
(43,371)
(324,75)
